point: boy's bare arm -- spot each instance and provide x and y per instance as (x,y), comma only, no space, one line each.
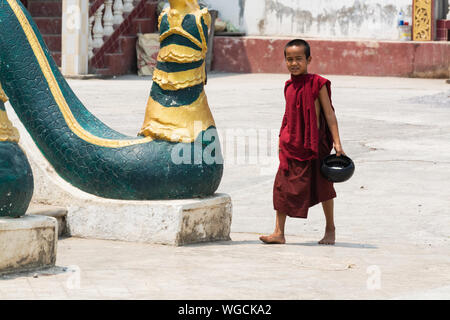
(330,116)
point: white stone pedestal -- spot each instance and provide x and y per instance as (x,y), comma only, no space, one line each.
(27,243)
(172,222)
(59,213)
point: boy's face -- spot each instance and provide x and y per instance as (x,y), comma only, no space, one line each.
(296,61)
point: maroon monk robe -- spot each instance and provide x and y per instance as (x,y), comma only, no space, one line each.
(299,183)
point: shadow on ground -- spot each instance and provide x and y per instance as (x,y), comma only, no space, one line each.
(307,244)
(337,244)
(44,272)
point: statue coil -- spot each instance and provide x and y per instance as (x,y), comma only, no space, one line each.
(95,158)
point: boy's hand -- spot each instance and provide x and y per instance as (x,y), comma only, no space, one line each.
(339,150)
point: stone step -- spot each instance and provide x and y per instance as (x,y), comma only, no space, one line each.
(57,57)
(149,11)
(45,8)
(142,25)
(28,243)
(53,42)
(117,64)
(123,60)
(120,55)
(49,26)
(103,71)
(59,213)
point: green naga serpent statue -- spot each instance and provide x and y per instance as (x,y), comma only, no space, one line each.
(91,156)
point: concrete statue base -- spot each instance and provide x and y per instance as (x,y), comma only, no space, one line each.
(27,243)
(172,222)
(59,213)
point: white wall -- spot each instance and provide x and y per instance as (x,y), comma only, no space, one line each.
(344,19)
(228,9)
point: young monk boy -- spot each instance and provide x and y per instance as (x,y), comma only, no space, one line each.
(308,133)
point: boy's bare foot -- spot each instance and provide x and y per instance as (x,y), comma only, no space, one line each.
(329,237)
(273,239)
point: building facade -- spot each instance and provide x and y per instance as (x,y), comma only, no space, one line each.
(343,19)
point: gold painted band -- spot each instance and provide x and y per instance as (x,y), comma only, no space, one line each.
(177,124)
(179,54)
(179,80)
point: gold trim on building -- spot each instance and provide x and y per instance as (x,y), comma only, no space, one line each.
(423,20)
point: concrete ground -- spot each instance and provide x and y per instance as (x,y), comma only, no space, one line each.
(392,217)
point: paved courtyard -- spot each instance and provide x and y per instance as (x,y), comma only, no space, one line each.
(392,217)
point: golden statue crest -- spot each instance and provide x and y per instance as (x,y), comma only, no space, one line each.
(177,99)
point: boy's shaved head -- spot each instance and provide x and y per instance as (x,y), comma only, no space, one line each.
(299,43)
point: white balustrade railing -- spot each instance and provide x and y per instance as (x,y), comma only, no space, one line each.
(97,31)
(90,40)
(127,6)
(118,11)
(108,19)
(102,24)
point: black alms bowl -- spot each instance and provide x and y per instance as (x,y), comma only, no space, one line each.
(337,169)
